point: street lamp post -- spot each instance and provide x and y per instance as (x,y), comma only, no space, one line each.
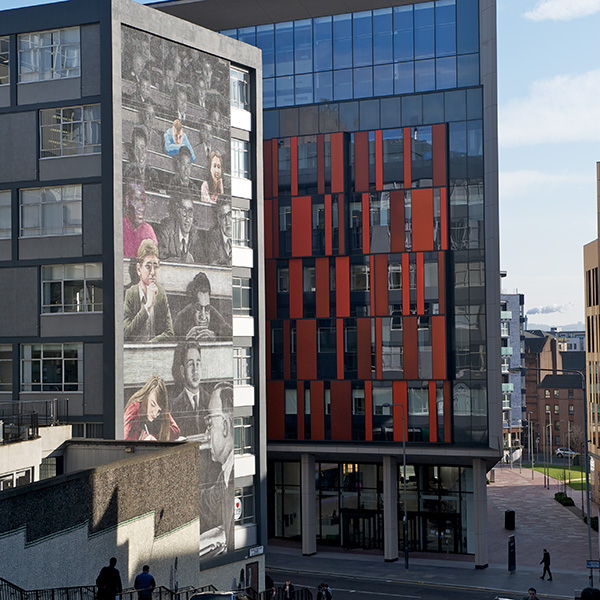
(549,442)
(531,444)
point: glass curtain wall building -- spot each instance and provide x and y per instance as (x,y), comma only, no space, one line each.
(382,282)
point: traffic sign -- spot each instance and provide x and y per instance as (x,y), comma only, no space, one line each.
(593,564)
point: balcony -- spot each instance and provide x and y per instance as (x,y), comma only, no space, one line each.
(505,315)
(508,387)
(506,351)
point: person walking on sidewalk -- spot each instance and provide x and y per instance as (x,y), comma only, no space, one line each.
(546,562)
(144,584)
(288,590)
(531,594)
(109,581)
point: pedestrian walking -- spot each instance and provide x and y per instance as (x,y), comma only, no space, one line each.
(109,581)
(320,595)
(144,584)
(327,591)
(546,562)
(531,594)
(288,590)
(270,586)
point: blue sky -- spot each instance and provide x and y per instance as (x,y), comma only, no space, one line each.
(549,129)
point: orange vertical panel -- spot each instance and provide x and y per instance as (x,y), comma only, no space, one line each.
(366,218)
(328,226)
(294,164)
(372,285)
(275,166)
(439,154)
(422,219)
(337,162)
(378,349)
(444,217)
(321,164)
(432,413)
(411,344)
(306,357)
(339,331)
(405,284)
(407,158)
(270,231)
(317,410)
(420,285)
(302,226)
(442,281)
(287,350)
(361,161)
(400,399)
(368,411)
(438,343)
(271,289)
(276,410)
(363,342)
(397,220)
(447,413)
(296,289)
(342,286)
(268,168)
(341,203)
(300,409)
(322,282)
(341,413)
(275,226)
(379,159)
(381,284)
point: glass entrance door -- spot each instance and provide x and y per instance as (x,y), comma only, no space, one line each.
(440,533)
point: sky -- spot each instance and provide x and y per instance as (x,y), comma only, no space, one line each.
(549,134)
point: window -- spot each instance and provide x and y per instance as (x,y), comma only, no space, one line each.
(310,281)
(50,211)
(547,408)
(285,218)
(242,366)
(327,402)
(395,276)
(16,479)
(571,409)
(72,288)
(245,496)
(49,54)
(243,435)
(242,296)
(358,402)
(240,89)
(5,214)
(556,409)
(546,393)
(6,368)
(505,364)
(570,394)
(556,393)
(504,328)
(4,60)
(51,367)
(283,279)
(70,131)
(326,340)
(241,227)
(359,278)
(240,159)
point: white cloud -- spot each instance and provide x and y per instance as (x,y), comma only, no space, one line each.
(565,108)
(517,184)
(562,10)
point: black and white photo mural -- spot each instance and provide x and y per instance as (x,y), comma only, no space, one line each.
(177,302)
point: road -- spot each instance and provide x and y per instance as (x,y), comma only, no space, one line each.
(360,587)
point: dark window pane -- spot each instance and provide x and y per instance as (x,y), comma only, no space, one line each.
(468,70)
(383,80)
(404,78)
(422,157)
(456,106)
(403,33)
(265,40)
(349,116)
(363,82)
(304,90)
(288,122)
(393,158)
(284,49)
(247,35)
(424,75)
(329,119)
(268,93)
(369,114)
(467,26)
(363,38)
(390,112)
(445,73)
(342,84)
(433,108)
(285,91)
(308,120)
(322,43)
(445,28)
(270,123)
(303,46)
(474,104)
(412,110)
(342,41)
(383,49)
(424,30)
(323,87)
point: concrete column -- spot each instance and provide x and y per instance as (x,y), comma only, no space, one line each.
(480,502)
(390,509)
(308,496)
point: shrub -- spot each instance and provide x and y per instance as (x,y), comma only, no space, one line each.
(594,522)
(564,499)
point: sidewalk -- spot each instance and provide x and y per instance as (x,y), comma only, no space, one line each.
(541,522)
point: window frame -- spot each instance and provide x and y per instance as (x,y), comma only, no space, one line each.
(85,133)
(97,307)
(240,158)
(247,496)
(6,368)
(239,284)
(243,372)
(239,88)
(241,227)
(4,59)
(5,214)
(27,384)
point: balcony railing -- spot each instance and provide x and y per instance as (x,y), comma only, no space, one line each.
(20,421)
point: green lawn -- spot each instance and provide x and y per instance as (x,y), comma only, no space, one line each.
(577,475)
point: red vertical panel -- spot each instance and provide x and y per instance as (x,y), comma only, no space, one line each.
(341,414)
(268,168)
(407,158)
(337,162)
(269,229)
(294,164)
(300,409)
(268,348)
(381,284)
(439,155)
(296,289)
(420,285)
(432,413)
(361,161)
(372,285)
(400,399)
(378,349)
(275,226)
(444,218)
(328,226)
(422,219)
(447,423)
(306,356)
(342,286)
(302,226)
(379,159)
(322,281)
(317,410)
(271,289)
(366,218)
(442,281)
(340,347)
(397,220)
(341,224)
(405,285)
(276,412)
(438,344)
(411,366)
(321,164)
(363,341)
(287,350)
(275,167)
(368,411)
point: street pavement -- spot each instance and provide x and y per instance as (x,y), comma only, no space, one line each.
(541,522)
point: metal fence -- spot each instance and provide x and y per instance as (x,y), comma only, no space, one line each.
(21,420)
(9,591)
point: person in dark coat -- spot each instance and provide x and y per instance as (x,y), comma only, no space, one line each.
(109,581)
(546,562)
(531,594)
(288,590)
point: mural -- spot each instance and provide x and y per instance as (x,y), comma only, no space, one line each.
(177,304)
